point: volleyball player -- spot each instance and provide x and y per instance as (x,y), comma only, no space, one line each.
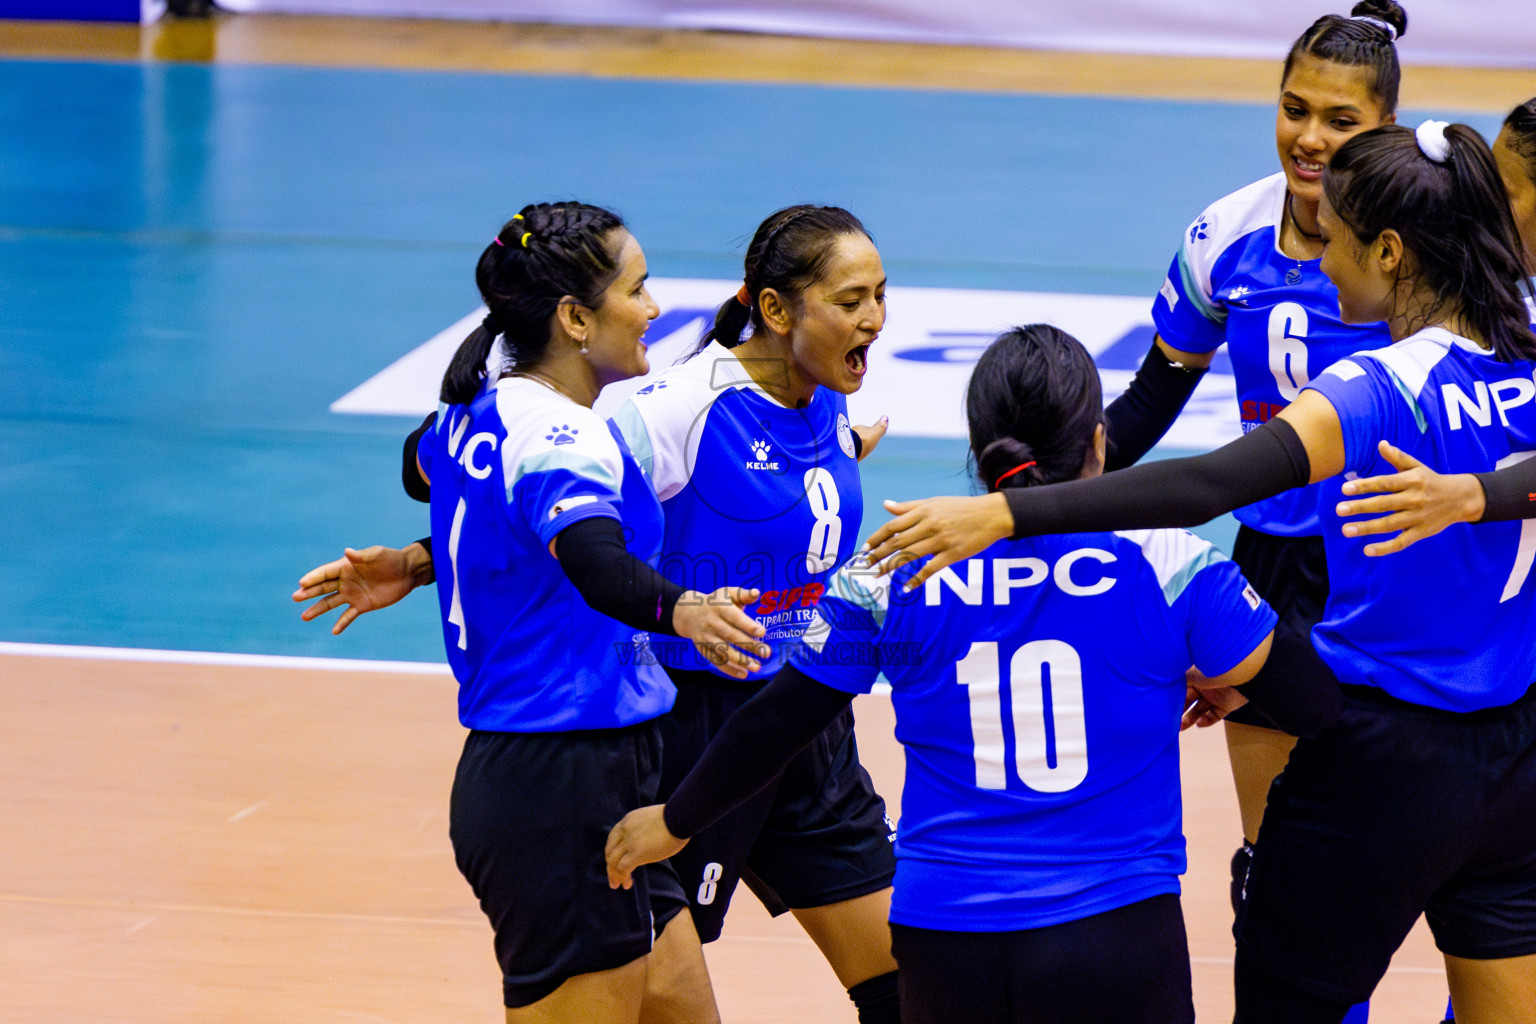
(1038,863)
(541,598)
(1420,502)
(749,447)
(1246,275)
(1422,798)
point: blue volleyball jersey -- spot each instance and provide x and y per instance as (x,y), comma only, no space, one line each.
(754,493)
(1279,317)
(509,472)
(1038,689)
(1448,622)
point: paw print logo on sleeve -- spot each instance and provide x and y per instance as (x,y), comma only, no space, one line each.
(1199,231)
(563,434)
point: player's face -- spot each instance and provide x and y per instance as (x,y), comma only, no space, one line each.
(1322,104)
(1365,291)
(839,315)
(614,347)
(1516,172)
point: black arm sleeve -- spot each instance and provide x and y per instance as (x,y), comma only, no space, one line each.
(1138,419)
(426,542)
(752,748)
(410,473)
(1509,493)
(595,559)
(1169,492)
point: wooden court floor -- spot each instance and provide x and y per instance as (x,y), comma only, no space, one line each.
(693,55)
(240,844)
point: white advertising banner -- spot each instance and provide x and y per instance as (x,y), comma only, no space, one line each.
(917,369)
(1471,32)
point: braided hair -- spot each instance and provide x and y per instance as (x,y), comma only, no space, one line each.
(1365,38)
(1521,125)
(789,250)
(1032,404)
(546,252)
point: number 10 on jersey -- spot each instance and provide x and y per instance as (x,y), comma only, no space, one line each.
(1050,737)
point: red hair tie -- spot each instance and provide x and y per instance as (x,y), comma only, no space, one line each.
(998,484)
(744,297)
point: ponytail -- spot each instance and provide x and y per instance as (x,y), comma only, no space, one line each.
(1440,190)
(731,319)
(466,371)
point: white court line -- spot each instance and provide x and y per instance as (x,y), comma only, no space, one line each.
(210,909)
(425,668)
(1226,961)
(1220,961)
(241,815)
(220,658)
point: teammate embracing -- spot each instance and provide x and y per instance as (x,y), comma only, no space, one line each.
(1038,690)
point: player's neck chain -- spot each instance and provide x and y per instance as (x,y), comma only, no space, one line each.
(556,388)
(1290,210)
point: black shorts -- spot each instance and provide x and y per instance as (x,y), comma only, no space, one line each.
(1291,573)
(818,835)
(1126,966)
(529,817)
(1395,811)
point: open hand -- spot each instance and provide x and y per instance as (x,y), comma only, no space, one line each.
(364,581)
(870,436)
(1418,501)
(949,529)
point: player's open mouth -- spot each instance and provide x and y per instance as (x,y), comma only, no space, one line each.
(858,360)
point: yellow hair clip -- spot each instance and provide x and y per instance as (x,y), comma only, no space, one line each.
(524,240)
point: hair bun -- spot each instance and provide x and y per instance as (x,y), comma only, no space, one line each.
(1389,12)
(1008,462)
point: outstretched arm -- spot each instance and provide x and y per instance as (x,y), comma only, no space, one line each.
(1171,492)
(753,747)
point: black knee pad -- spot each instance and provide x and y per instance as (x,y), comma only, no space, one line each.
(878,1000)
(1240,862)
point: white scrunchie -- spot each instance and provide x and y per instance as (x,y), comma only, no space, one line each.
(1385,26)
(1432,140)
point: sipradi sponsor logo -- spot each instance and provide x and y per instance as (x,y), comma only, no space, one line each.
(917,369)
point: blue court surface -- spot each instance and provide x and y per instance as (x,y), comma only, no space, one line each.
(195,262)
